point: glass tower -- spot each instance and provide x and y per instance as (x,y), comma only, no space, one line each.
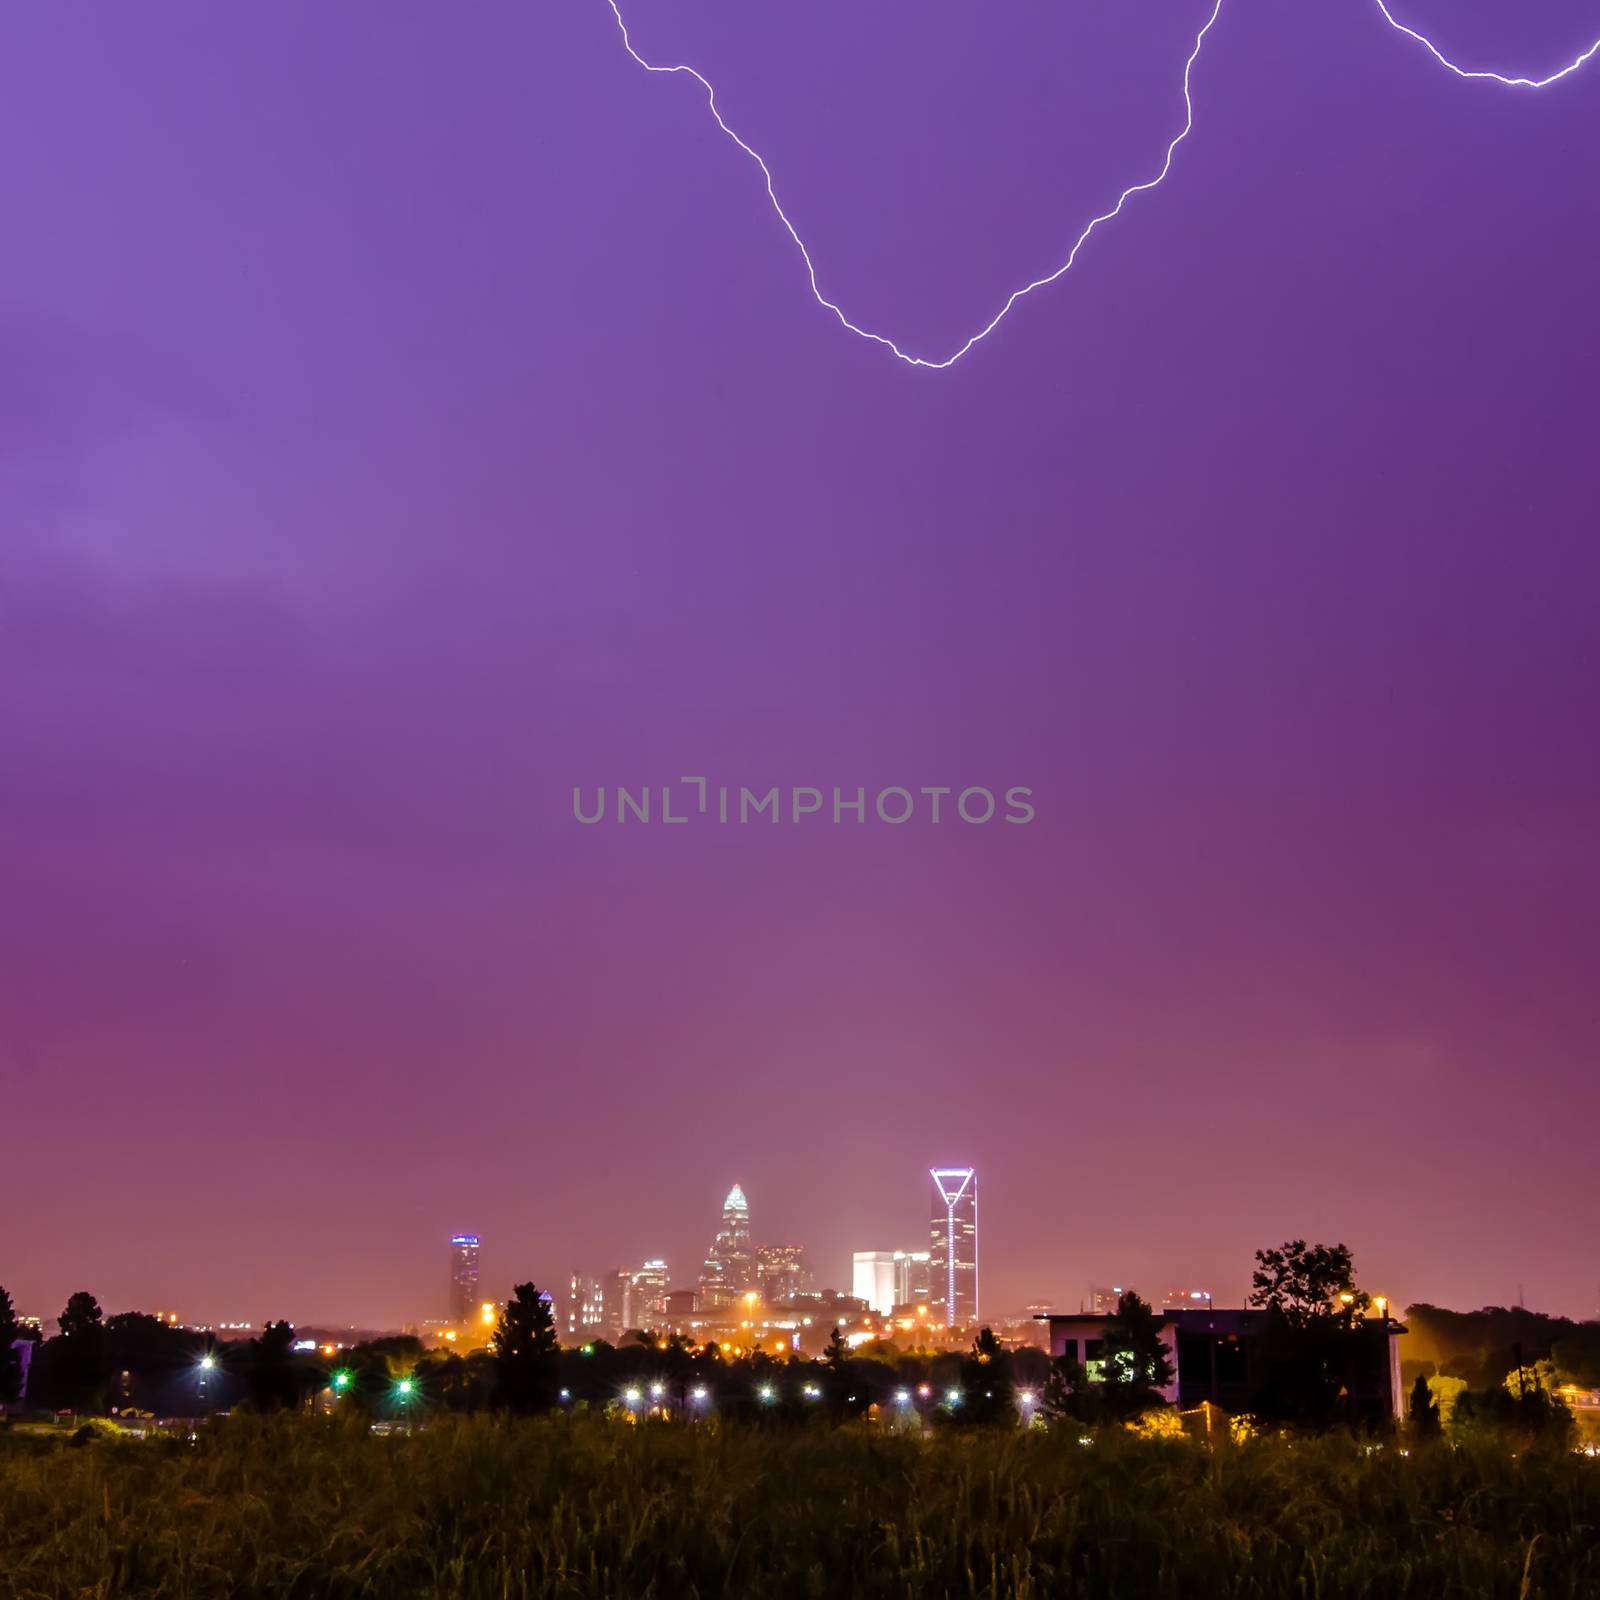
(464,1276)
(730,1267)
(953,1236)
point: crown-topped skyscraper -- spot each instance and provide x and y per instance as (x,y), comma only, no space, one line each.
(730,1267)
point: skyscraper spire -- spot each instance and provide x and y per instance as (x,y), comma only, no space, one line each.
(730,1263)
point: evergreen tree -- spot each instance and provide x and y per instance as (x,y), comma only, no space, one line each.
(526,1352)
(1423,1410)
(10,1358)
(987,1391)
(1136,1363)
(79,1366)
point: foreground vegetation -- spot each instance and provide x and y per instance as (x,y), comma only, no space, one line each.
(585,1506)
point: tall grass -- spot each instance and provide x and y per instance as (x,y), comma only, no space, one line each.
(292,1507)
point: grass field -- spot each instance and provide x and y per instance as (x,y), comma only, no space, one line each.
(574,1506)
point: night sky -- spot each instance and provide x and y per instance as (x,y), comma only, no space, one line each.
(411,411)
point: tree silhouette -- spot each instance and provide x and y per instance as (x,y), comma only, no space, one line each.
(987,1391)
(1312,1347)
(1302,1282)
(1423,1410)
(10,1358)
(526,1352)
(271,1379)
(80,1370)
(1136,1365)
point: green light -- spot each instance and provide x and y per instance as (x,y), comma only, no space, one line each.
(588,1349)
(404,1388)
(341,1380)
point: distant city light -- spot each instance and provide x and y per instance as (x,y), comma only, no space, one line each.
(699,1395)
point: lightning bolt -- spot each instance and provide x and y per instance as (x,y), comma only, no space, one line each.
(1094,222)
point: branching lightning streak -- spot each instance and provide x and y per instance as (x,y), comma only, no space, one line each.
(1493,77)
(1094,222)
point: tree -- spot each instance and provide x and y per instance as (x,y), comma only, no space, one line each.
(1136,1364)
(837,1351)
(79,1368)
(272,1381)
(1423,1410)
(10,1358)
(1313,1351)
(526,1352)
(1302,1282)
(987,1391)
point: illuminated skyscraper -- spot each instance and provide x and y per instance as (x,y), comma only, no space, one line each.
(781,1271)
(586,1305)
(872,1278)
(652,1283)
(953,1253)
(464,1276)
(730,1267)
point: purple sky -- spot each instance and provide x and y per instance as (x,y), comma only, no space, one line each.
(410,411)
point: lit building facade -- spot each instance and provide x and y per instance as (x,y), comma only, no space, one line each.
(586,1305)
(652,1283)
(730,1268)
(464,1248)
(781,1271)
(913,1277)
(872,1275)
(890,1279)
(953,1252)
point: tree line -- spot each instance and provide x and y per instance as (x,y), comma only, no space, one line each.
(1313,1346)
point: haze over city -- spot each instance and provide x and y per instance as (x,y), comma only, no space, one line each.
(406,420)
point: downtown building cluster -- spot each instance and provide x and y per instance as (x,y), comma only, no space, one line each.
(746,1294)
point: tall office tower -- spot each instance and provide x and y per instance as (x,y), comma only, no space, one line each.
(616,1293)
(781,1271)
(651,1286)
(730,1263)
(953,1256)
(913,1277)
(464,1276)
(586,1305)
(872,1278)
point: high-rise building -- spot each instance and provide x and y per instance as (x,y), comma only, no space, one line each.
(586,1305)
(730,1263)
(1102,1301)
(872,1278)
(616,1293)
(953,1256)
(463,1276)
(913,1277)
(781,1271)
(1186,1300)
(651,1285)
